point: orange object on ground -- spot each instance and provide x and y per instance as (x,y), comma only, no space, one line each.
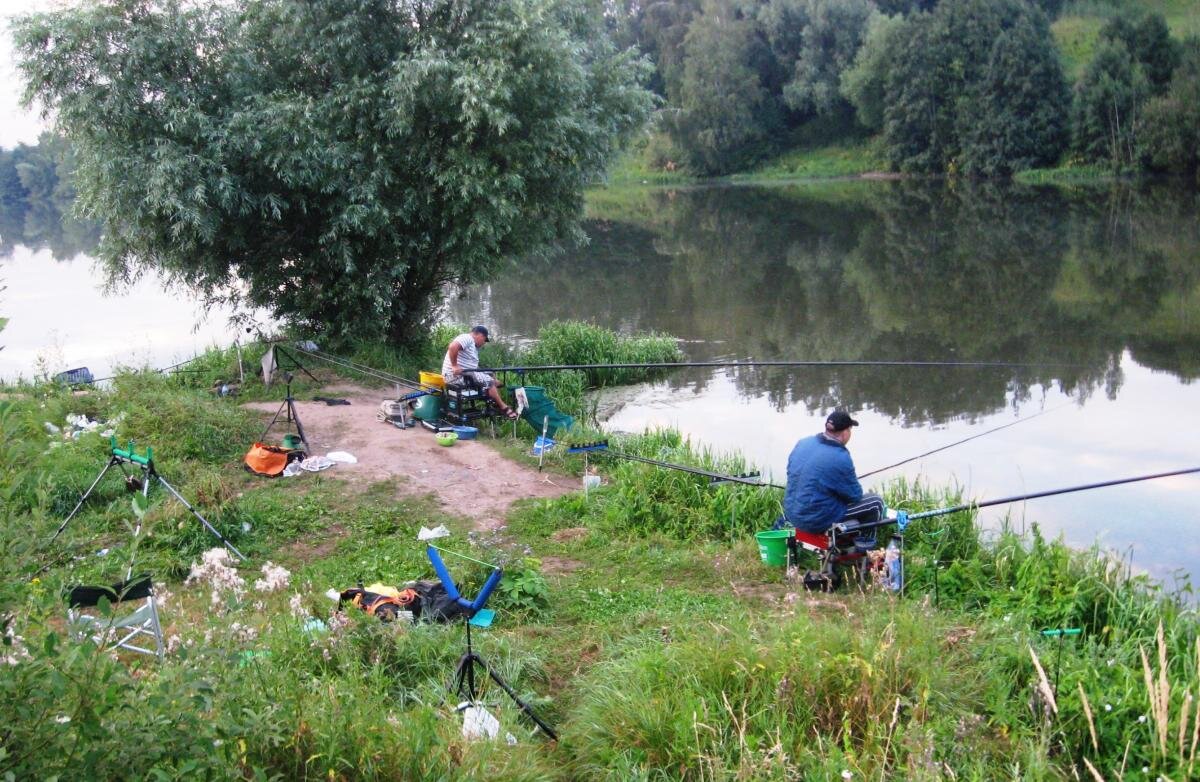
(266,460)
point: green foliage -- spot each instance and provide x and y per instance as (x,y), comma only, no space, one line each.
(344,159)
(1148,40)
(725,112)
(523,590)
(1012,117)
(1107,107)
(832,35)
(575,342)
(1170,133)
(864,82)
(974,87)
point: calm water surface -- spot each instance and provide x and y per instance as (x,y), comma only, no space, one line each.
(1096,290)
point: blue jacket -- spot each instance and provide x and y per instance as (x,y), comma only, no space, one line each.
(821,483)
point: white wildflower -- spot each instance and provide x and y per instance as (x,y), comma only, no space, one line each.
(241,632)
(16,651)
(1108,707)
(1141,718)
(296,605)
(216,569)
(846,774)
(62,719)
(173,643)
(274,577)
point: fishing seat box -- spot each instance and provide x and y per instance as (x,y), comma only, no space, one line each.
(463,404)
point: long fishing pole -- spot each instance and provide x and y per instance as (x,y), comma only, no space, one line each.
(1049,493)
(964,440)
(753,363)
(346,363)
(687,469)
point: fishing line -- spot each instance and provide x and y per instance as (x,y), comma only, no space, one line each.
(345,363)
(964,440)
(1049,493)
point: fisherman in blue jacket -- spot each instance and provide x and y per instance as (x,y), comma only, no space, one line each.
(822,487)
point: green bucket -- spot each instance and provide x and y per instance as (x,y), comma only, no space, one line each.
(772,545)
(428,408)
(292,442)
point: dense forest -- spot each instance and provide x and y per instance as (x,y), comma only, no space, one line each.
(980,88)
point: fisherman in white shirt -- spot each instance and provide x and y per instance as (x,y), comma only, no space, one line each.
(461,361)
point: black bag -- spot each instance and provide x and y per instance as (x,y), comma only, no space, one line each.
(436,603)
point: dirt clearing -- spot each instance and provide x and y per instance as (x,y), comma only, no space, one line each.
(467,479)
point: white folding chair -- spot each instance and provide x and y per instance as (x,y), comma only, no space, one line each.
(114,630)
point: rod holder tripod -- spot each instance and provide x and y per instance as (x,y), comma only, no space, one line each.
(287,408)
(122,457)
(463,681)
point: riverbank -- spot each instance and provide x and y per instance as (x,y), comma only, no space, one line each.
(637,618)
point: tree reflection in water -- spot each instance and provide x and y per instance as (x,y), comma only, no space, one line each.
(1066,279)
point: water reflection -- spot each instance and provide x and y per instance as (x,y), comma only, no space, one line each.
(1061,280)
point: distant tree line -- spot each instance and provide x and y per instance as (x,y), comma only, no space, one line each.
(36,194)
(970,87)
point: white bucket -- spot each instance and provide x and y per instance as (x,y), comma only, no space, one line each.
(591,482)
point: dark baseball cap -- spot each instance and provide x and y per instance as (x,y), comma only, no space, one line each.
(482,330)
(839,420)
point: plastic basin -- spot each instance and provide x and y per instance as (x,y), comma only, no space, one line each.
(446,438)
(466,432)
(772,545)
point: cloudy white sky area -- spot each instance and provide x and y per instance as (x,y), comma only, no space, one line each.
(16,124)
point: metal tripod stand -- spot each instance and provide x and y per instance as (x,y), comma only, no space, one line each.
(463,682)
(287,408)
(119,458)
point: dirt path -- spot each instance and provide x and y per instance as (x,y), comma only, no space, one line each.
(468,479)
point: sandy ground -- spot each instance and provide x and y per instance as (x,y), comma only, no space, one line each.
(468,479)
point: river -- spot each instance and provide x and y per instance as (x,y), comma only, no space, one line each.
(1093,290)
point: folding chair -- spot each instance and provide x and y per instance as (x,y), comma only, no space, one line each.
(126,629)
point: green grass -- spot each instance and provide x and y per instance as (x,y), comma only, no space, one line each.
(1066,174)
(825,162)
(638,620)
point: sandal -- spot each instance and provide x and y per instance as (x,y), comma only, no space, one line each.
(509,413)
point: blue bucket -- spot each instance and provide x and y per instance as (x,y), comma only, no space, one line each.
(466,432)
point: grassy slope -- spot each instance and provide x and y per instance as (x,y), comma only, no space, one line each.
(639,620)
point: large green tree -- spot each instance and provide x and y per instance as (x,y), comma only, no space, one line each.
(336,161)
(726,115)
(1107,107)
(832,35)
(1170,134)
(975,86)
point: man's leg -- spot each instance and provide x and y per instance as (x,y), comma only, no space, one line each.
(870,508)
(486,383)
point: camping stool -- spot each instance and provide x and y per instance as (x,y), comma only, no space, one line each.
(128,628)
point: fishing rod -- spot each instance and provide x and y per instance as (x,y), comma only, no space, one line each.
(346,363)
(964,440)
(715,476)
(1049,493)
(753,363)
